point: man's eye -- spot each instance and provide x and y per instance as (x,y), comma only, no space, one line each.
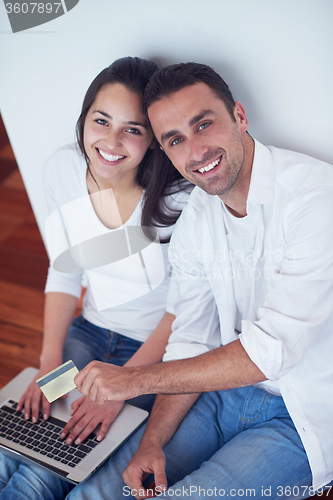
(203,125)
(174,142)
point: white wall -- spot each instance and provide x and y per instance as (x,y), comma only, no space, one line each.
(276,55)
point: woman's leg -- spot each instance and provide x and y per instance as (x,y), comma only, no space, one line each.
(87,342)
(23,481)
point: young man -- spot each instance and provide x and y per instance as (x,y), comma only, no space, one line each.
(253,261)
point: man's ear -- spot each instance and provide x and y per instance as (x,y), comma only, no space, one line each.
(240,117)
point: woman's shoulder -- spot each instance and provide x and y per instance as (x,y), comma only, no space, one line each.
(65,174)
(67,159)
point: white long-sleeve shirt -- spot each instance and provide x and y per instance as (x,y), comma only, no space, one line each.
(287,329)
(122,295)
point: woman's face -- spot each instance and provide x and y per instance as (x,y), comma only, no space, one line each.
(116,133)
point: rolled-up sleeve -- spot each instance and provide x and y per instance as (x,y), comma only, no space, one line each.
(301,299)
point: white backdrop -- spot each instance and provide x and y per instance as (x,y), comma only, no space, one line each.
(276,56)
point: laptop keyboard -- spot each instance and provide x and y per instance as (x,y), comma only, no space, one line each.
(43,436)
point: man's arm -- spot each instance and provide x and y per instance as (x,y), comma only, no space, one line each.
(223,368)
(167,414)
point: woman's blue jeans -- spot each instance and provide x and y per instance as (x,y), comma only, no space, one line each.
(85,342)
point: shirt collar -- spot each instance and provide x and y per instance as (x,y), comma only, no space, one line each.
(262,184)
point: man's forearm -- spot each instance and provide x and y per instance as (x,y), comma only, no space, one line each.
(224,368)
(165,417)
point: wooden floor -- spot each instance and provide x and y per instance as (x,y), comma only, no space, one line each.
(23,267)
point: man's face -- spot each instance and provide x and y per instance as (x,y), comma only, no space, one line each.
(200,137)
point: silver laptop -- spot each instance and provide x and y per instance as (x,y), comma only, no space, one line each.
(40,442)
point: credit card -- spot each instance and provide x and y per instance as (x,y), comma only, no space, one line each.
(59,381)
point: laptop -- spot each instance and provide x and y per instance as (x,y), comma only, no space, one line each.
(40,443)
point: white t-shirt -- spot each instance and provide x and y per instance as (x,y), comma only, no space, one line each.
(125,293)
(242,236)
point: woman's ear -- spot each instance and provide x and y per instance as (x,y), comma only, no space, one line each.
(153,143)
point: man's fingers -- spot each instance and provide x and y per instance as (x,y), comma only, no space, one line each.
(134,480)
(87,372)
(161,481)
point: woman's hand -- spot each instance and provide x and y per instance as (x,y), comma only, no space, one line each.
(87,415)
(33,396)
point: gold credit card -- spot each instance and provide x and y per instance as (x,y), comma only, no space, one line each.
(59,381)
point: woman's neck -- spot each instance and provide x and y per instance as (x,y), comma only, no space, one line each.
(114,202)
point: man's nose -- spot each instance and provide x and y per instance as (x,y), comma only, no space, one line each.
(197,149)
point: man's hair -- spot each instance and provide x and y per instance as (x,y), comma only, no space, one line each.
(177,76)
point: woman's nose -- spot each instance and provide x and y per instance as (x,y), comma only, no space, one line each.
(113,139)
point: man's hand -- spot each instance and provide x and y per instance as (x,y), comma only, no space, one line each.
(33,396)
(87,415)
(103,382)
(149,459)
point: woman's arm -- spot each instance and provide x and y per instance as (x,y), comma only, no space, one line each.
(58,313)
(154,347)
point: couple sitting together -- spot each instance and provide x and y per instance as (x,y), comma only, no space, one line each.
(243,315)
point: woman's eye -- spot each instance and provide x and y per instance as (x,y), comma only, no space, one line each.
(134,131)
(100,121)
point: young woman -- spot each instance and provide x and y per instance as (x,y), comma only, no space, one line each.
(99,188)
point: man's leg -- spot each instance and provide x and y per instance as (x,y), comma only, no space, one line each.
(263,455)
(197,440)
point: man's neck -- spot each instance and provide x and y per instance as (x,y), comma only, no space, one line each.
(235,199)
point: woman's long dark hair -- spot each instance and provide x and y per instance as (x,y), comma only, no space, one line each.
(156,174)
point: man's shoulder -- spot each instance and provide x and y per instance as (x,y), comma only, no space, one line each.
(297,172)
(192,223)
(198,203)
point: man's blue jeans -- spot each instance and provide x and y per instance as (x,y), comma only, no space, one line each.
(85,342)
(237,443)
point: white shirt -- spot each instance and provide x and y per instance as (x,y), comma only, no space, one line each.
(288,329)
(242,233)
(123,295)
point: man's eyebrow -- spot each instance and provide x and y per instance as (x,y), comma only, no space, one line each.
(192,122)
(169,134)
(199,117)
(138,124)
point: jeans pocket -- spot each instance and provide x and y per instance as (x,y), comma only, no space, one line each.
(254,408)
